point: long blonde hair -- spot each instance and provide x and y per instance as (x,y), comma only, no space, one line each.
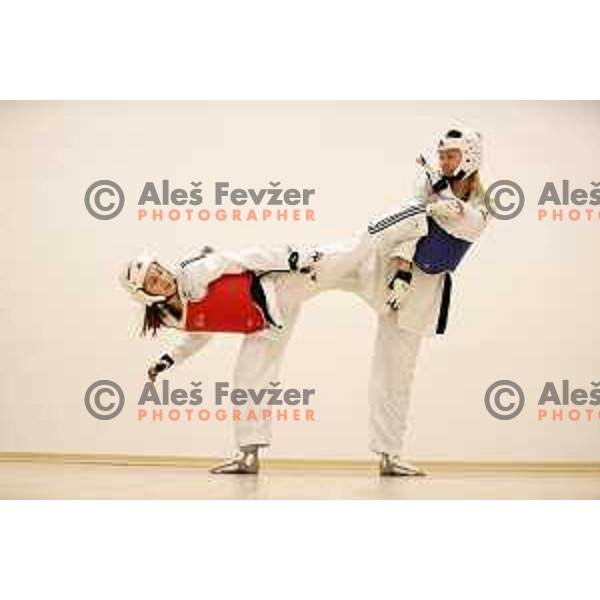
(474,193)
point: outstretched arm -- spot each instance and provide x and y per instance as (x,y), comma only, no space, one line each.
(184,346)
(461,219)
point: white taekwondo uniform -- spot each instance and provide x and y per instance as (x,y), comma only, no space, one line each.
(361,265)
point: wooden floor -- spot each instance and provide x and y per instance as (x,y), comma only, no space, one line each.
(21,480)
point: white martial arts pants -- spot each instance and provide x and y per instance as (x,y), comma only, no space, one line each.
(261,354)
(392,372)
(393,366)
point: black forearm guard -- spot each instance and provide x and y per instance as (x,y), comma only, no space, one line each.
(165,362)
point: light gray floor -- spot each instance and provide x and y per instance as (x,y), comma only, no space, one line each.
(76,481)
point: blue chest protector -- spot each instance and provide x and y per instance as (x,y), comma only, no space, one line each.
(438,251)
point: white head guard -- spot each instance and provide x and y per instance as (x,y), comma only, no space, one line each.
(469,143)
(133,276)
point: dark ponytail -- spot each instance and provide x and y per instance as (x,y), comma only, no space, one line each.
(154,317)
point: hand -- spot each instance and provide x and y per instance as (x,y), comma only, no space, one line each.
(446,209)
(399,289)
(152,373)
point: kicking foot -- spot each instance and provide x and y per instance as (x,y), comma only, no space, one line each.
(392,466)
(245,462)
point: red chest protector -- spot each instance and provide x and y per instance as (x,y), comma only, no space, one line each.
(229,306)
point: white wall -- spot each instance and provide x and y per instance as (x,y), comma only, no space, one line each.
(524,308)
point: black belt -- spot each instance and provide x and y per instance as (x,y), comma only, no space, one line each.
(257,293)
(445,304)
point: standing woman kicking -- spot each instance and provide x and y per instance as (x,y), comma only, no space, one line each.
(420,273)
